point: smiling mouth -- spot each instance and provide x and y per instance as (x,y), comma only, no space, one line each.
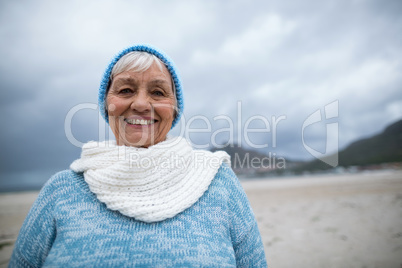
(141,122)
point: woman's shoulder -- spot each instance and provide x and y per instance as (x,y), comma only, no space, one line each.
(226,180)
(227,176)
(64,175)
(65,179)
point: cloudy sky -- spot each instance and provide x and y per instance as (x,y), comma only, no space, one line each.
(263,64)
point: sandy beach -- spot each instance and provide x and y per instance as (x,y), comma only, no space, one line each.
(352,220)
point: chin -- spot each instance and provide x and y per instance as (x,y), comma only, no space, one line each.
(137,143)
(140,141)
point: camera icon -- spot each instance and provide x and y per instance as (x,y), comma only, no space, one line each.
(330,156)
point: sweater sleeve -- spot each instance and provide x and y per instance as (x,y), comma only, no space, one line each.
(246,238)
(38,231)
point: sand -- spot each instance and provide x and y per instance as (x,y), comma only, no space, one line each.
(13,209)
(316,221)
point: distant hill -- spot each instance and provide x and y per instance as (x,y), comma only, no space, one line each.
(385,147)
(250,162)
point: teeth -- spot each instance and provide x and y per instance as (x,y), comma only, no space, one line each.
(139,121)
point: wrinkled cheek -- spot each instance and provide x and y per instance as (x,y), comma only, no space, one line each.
(168,113)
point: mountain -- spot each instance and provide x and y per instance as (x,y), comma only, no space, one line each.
(250,162)
(385,147)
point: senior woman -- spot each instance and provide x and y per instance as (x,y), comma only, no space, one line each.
(145,199)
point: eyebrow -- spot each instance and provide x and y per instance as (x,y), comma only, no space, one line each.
(124,80)
(121,81)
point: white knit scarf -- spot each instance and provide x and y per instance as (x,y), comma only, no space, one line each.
(149,184)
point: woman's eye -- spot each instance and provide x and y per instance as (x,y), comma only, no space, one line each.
(125,90)
(158,93)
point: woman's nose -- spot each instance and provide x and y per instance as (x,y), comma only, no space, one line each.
(141,102)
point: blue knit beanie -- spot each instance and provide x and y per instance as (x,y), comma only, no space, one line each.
(159,54)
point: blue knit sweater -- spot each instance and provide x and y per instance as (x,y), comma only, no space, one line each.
(68,227)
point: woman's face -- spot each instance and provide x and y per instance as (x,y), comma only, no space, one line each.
(141,106)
